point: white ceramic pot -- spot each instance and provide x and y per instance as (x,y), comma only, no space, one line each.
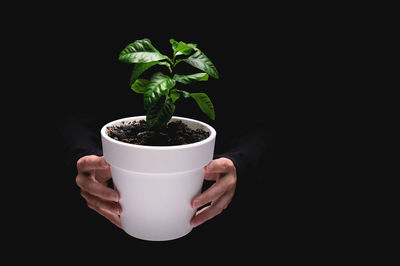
(157,183)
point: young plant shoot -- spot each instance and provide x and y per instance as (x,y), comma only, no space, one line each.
(159,92)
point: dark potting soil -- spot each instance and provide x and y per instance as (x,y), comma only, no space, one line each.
(174,133)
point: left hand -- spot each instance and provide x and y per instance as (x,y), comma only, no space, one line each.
(93,174)
(220,194)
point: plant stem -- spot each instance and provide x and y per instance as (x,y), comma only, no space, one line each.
(173,66)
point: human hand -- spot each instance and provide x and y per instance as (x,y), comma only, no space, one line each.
(93,174)
(220,194)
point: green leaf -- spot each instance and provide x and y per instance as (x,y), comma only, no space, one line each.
(174,96)
(141,51)
(139,68)
(200,60)
(178,61)
(187,79)
(205,104)
(184,93)
(159,84)
(193,45)
(182,48)
(163,63)
(159,114)
(140,85)
(174,44)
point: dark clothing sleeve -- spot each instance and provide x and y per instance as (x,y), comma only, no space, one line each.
(78,138)
(249,152)
(249,148)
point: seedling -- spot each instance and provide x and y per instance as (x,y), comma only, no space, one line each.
(159,92)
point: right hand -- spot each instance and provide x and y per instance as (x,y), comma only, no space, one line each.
(93,174)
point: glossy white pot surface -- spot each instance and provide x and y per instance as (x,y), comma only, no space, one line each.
(157,183)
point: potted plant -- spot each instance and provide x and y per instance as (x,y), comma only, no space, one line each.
(157,159)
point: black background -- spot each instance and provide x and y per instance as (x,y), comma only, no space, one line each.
(268,62)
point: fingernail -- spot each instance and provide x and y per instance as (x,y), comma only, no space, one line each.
(116,197)
(206,169)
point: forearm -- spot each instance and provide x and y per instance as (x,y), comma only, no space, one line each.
(249,150)
(79,138)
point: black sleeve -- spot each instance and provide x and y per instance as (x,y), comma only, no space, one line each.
(248,151)
(79,136)
(250,148)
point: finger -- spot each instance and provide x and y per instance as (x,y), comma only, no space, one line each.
(210,176)
(221,165)
(98,203)
(97,189)
(212,193)
(91,162)
(115,219)
(103,175)
(211,211)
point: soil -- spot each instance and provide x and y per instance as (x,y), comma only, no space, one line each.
(174,133)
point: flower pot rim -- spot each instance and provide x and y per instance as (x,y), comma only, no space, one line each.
(148,147)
